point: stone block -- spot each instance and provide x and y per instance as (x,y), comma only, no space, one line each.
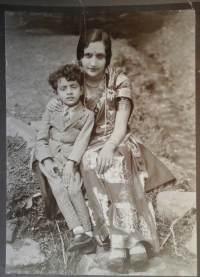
(35,125)
(86,263)
(26,253)
(102,259)
(191,245)
(174,203)
(98,271)
(11,229)
(21,129)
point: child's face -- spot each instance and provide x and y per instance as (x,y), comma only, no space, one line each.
(94,60)
(69,91)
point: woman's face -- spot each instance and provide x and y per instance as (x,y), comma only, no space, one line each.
(94,60)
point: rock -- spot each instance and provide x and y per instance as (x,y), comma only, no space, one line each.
(98,271)
(184,273)
(191,245)
(102,259)
(23,255)
(174,203)
(17,127)
(155,261)
(11,229)
(36,125)
(158,264)
(87,262)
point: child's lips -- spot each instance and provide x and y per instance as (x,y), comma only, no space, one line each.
(70,98)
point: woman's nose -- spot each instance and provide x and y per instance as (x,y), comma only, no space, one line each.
(93,61)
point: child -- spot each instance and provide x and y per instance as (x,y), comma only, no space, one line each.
(61,142)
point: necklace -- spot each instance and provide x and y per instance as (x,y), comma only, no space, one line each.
(94,97)
(95,85)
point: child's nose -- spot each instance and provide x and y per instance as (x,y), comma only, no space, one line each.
(69,91)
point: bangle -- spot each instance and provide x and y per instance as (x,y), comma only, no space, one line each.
(112,142)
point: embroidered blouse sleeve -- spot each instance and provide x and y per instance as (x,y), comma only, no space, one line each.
(124,95)
(124,104)
(123,87)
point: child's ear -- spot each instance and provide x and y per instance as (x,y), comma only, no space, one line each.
(55,92)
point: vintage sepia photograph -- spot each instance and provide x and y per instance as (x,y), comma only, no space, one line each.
(101,143)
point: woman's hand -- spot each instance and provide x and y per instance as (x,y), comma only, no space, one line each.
(54,105)
(68,173)
(50,165)
(105,158)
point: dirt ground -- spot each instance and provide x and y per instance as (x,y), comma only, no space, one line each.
(160,64)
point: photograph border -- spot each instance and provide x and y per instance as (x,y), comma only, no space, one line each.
(89,6)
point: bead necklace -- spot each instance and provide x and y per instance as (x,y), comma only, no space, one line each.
(92,86)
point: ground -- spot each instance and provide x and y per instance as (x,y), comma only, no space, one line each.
(160,63)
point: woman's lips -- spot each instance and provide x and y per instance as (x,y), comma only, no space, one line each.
(93,69)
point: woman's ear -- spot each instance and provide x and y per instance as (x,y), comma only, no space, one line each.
(81,88)
(80,63)
(55,92)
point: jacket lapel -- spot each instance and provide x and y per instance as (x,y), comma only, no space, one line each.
(57,117)
(78,113)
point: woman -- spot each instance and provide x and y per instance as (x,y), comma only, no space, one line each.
(116,169)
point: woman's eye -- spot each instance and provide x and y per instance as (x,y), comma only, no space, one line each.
(100,56)
(87,55)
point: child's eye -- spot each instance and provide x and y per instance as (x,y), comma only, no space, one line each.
(74,86)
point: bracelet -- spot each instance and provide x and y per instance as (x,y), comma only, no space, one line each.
(112,142)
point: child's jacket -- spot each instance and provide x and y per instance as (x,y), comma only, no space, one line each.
(71,138)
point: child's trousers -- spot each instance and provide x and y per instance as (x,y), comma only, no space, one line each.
(70,201)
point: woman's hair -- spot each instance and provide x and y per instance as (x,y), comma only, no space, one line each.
(94,35)
(70,72)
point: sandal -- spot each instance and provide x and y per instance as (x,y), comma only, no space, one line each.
(140,265)
(116,265)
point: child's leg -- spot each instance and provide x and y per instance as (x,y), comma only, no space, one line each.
(51,207)
(61,195)
(78,201)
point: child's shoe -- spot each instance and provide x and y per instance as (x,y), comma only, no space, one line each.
(79,242)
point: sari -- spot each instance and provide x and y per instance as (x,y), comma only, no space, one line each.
(117,199)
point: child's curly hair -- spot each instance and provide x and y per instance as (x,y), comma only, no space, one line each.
(70,72)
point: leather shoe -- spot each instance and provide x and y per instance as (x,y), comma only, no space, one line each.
(79,242)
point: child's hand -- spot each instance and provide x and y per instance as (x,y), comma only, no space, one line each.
(68,173)
(54,105)
(50,165)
